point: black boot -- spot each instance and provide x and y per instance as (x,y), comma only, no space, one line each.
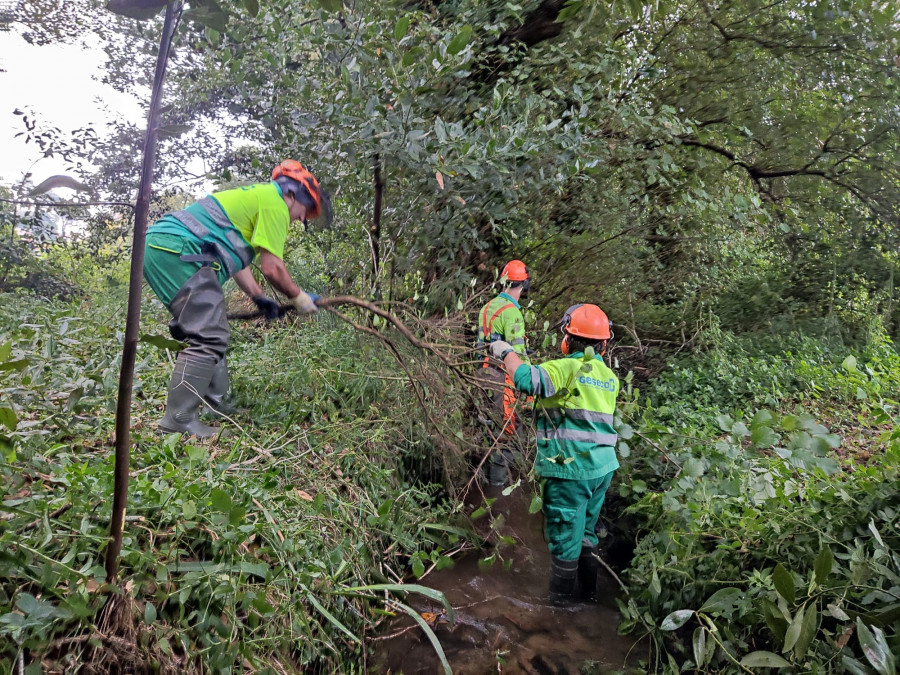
(588,566)
(562,580)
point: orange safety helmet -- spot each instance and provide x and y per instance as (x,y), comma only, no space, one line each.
(586,321)
(515,270)
(310,194)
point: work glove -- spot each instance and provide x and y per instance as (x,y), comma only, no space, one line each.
(499,349)
(304,303)
(269,308)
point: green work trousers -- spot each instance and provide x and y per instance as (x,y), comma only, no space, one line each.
(571,510)
(193,293)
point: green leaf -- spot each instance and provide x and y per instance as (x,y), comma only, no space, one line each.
(220,500)
(432,638)
(784,583)
(570,9)
(401,28)
(725,422)
(5,351)
(722,601)
(196,454)
(444,562)
(252,7)
(333,6)
(328,615)
(849,364)
(823,565)
(459,43)
(699,644)
(236,515)
(793,631)
(875,648)
(536,504)
(418,567)
(508,490)
(838,613)
(8,418)
(208,13)
(807,632)
(189,509)
(149,613)
(676,619)
(161,342)
(763,437)
(693,467)
(136,9)
(478,513)
(655,586)
(20,364)
(764,660)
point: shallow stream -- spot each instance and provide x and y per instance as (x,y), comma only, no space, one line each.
(504,620)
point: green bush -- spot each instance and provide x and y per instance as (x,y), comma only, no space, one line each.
(763,542)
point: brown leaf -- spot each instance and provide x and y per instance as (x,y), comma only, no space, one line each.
(842,641)
(439,177)
(303,495)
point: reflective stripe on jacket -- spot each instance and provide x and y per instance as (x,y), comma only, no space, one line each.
(501,319)
(207,221)
(575,403)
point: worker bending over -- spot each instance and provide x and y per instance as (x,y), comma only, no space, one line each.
(576,458)
(191,253)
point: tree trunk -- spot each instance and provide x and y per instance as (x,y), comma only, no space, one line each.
(133,316)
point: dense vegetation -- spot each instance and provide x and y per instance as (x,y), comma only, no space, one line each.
(722,178)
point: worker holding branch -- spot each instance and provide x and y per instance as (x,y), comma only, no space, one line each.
(191,253)
(501,319)
(575,402)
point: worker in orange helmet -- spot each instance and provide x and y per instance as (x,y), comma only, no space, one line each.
(501,319)
(575,401)
(191,253)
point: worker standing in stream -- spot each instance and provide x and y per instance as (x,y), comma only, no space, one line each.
(501,319)
(191,253)
(576,457)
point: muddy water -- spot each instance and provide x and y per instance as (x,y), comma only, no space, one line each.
(504,620)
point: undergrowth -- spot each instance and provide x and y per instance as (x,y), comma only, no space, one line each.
(278,546)
(760,483)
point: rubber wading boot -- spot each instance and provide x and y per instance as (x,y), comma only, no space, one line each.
(588,566)
(217,392)
(498,467)
(562,580)
(189,384)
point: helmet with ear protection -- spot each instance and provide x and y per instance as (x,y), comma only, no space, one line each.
(584,321)
(293,177)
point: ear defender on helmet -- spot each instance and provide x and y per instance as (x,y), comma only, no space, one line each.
(307,191)
(585,321)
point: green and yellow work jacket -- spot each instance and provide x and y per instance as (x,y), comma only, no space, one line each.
(575,407)
(501,319)
(233,224)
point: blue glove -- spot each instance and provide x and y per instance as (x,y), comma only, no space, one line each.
(314,296)
(269,308)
